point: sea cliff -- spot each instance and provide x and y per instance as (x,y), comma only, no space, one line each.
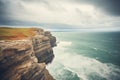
(27,58)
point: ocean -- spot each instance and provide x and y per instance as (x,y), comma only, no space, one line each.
(86,56)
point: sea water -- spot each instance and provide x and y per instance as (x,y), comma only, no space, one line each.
(86,56)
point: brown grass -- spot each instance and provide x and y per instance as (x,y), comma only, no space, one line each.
(16,33)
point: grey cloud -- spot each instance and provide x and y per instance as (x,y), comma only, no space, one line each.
(8,7)
(109,6)
(47,4)
(3,13)
(37,1)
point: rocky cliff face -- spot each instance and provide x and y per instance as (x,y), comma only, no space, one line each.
(26,59)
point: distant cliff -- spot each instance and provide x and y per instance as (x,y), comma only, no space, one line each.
(26,59)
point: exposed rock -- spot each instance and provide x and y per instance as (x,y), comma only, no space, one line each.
(27,59)
(52,38)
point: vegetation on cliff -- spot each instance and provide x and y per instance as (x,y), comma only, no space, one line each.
(16,33)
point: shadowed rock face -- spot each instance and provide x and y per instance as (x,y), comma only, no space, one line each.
(27,59)
(52,38)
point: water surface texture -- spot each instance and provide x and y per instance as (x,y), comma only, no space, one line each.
(86,56)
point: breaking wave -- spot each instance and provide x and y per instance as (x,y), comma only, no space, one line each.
(72,66)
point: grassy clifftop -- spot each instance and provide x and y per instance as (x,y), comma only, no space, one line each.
(16,33)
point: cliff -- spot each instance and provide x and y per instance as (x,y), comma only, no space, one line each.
(26,58)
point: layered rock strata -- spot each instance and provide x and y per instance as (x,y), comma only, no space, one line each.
(26,59)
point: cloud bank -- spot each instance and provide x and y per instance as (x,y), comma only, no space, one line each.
(80,13)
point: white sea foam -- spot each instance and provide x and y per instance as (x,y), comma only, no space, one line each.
(83,66)
(64,43)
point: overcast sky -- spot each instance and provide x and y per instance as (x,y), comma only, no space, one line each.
(61,13)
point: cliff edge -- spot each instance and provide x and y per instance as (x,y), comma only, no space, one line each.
(26,58)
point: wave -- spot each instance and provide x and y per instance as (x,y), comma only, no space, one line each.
(86,68)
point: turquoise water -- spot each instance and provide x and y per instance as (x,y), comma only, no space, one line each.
(86,56)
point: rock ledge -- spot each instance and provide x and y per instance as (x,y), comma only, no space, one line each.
(26,59)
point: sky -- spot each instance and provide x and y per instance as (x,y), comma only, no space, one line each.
(61,13)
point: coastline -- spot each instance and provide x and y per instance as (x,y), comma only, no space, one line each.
(26,59)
